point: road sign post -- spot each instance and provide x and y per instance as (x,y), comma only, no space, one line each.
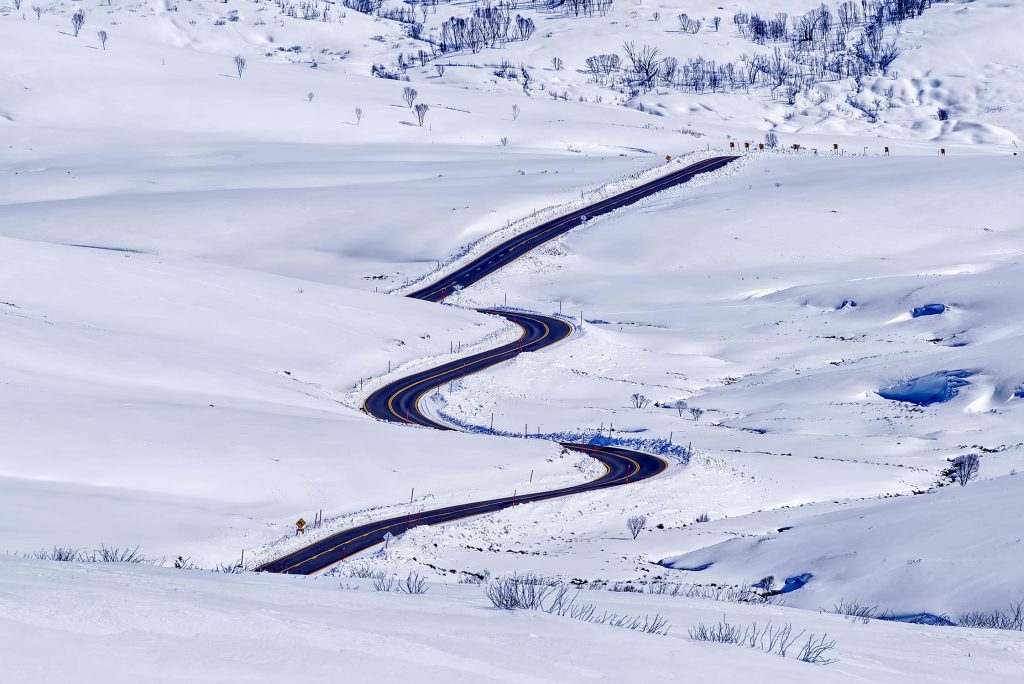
(300,527)
(387,539)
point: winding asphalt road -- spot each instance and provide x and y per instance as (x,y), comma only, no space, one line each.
(399,401)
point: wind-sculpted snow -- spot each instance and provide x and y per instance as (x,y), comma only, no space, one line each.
(934,388)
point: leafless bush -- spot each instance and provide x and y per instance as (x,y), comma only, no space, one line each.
(66,554)
(635,524)
(78,21)
(184,563)
(116,555)
(1011,619)
(639,400)
(229,568)
(102,35)
(439,68)
(714,592)
(515,112)
(557,64)
(702,518)
(511,592)
(421,112)
(359,115)
(240,64)
(965,468)
(721,633)
(696,413)
(817,650)
(382,583)
(768,638)
(862,611)
(624,588)
(413,584)
(38,10)
(409,95)
(360,571)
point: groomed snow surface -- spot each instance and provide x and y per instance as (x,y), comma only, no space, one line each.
(193,269)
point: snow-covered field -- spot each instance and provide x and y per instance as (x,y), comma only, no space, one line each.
(165,625)
(195,268)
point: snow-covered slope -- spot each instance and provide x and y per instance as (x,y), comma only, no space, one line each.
(193,268)
(165,625)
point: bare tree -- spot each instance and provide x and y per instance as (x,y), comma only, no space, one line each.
(680,406)
(77,21)
(240,65)
(696,413)
(639,400)
(38,10)
(645,63)
(635,524)
(504,141)
(557,64)
(515,112)
(310,96)
(965,468)
(421,112)
(409,95)
(439,68)
(688,25)
(716,22)
(102,35)
(17,4)
(771,140)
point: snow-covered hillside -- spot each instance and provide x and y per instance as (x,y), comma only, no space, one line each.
(207,216)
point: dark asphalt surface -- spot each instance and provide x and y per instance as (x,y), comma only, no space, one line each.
(399,400)
(519,245)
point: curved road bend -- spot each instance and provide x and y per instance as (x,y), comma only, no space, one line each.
(621,467)
(399,400)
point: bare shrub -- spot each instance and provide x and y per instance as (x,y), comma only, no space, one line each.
(409,95)
(421,112)
(116,555)
(515,591)
(768,637)
(240,64)
(65,554)
(359,115)
(1010,619)
(696,413)
(102,35)
(639,400)
(413,584)
(78,21)
(965,468)
(862,611)
(713,592)
(635,524)
(702,518)
(382,583)
(817,650)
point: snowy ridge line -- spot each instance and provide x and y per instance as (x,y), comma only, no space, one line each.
(541,216)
